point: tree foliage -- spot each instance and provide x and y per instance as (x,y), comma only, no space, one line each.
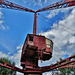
(6,71)
(65,71)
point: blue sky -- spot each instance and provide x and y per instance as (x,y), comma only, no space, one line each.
(17,24)
(57,25)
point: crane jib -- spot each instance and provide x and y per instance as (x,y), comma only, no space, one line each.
(37,47)
(69,0)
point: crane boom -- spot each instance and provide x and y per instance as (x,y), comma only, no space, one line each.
(10,5)
(9,66)
(57,5)
(70,62)
(61,4)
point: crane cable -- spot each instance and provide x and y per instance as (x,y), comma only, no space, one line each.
(57,22)
(60,24)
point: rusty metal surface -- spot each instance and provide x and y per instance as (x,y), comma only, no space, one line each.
(43,69)
(58,5)
(70,4)
(4,64)
(10,5)
(69,0)
(39,41)
(61,64)
(37,44)
(35,24)
(1,1)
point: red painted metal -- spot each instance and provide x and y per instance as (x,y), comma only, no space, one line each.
(10,5)
(4,64)
(1,1)
(39,45)
(34,50)
(69,61)
(60,4)
(36,46)
(40,42)
(70,66)
(69,0)
(70,4)
(62,64)
(35,24)
(57,5)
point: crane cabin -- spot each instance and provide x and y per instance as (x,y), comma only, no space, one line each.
(36,46)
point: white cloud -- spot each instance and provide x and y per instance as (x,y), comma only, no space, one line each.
(16,57)
(55,12)
(2,26)
(45,1)
(1,14)
(24,1)
(18,47)
(9,53)
(47,73)
(60,38)
(72,40)
(39,0)
(6,44)
(18,73)
(63,36)
(1,21)
(35,2)
(2,55)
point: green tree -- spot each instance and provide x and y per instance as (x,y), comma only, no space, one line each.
(6,71)
(60,59)
(65,71)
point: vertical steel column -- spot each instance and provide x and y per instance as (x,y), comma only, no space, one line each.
(35,24)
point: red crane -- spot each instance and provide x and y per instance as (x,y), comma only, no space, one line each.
(40,49)
(57,5)
(69,62)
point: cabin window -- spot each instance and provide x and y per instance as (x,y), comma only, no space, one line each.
(30,38)
(48,43)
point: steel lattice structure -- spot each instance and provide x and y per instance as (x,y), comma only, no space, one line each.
(39,70)
(58,65)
